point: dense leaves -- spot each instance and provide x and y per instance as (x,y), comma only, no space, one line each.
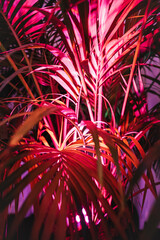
(76,106)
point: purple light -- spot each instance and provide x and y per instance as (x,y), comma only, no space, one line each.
(78,220)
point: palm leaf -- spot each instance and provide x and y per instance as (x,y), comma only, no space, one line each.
(83,124)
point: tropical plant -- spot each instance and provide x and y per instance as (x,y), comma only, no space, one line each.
(75,105)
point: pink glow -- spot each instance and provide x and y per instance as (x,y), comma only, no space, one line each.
(84,211)
(78,219)
(85,215)
(86,219)
(67,222)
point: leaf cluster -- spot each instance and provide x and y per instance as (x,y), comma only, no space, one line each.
(75,103)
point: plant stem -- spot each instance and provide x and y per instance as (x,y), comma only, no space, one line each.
(24,54)
(16,69)
(134,61)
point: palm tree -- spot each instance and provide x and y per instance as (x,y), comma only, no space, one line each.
(75,104)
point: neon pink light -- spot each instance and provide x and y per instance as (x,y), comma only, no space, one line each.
(86,219)
(84,211)
(78,218)
(67,222)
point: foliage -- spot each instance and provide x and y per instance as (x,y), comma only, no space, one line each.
(75,105)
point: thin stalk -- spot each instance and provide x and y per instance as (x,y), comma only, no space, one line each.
(51,133)
(65,120)
(50,79)
(77,108)
(112,112)
(16,69)
(83,84)
(96,92)
(141,85)
(60,133)
(95,101)
(12,85)
(134,61)
(99,112)
(99,93)
(24,54)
